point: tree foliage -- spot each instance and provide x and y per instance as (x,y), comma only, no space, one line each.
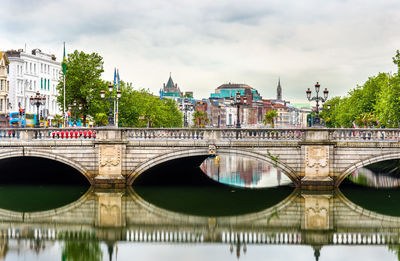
(269,118)
(200,119)
(82,82)
(375,103)
(137,108)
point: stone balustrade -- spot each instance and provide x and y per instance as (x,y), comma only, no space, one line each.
(364,135)
(354,135)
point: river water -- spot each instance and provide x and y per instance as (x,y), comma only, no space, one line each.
(251,212)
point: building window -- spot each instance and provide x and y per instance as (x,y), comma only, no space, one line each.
(41,83)
(48,84)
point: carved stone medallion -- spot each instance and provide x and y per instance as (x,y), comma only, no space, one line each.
(316,161)
(110,160)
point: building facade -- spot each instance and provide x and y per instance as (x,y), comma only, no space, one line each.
(171,90)
(30,73)
(4,89)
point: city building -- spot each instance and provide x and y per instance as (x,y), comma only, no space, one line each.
(186,106)
(4,88)
(171,90)
(30,73)
(228,90)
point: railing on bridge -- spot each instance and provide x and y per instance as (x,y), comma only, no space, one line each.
(47,133)
(364,134)
(200,134)
(335,135)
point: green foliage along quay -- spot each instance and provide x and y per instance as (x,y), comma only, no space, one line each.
(137,108)
(376,103)
(269,118)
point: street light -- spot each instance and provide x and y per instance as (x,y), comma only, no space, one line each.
(237,102)
(37,101)
(111,99)
(317,99)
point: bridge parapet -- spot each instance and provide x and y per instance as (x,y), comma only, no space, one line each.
(310,157)
(364,135)
(213,134)
(25,134)
(330,135)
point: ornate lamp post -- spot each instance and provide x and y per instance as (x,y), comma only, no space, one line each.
(75,109)
(111,99)
(38,100)
(317,99)
(237,102)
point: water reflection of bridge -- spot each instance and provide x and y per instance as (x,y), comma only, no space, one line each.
(302,218)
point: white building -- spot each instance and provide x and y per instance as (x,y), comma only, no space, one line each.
(4,86)
(30,73)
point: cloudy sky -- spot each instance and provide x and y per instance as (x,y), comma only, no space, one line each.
(206,43)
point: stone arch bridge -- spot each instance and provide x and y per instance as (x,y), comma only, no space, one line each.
(117,156)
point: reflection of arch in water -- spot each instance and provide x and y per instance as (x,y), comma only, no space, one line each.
(49,156)
(364,163)
(362,213)
(204,152)
(205,220)
(46,214)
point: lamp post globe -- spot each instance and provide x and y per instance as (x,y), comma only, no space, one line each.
(317,99)
(111,99)
(37,100)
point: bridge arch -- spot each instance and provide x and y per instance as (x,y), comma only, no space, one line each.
(50,156)
(204,152)
(363,163)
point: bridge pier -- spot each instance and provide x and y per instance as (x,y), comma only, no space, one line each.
(111,150)
(317,152)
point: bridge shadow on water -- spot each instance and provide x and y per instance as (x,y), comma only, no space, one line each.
(30,184)
(181,186)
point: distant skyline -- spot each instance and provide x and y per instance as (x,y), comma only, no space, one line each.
(339,43)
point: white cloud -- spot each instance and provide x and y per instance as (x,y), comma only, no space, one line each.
(206,43)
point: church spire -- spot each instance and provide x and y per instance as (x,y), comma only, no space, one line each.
(279,90)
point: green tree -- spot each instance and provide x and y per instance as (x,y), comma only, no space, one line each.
(58,120)
(139,108)
(388,105)
(101,119)
(82,82)
(200,119)
(269,118)
(360,101)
